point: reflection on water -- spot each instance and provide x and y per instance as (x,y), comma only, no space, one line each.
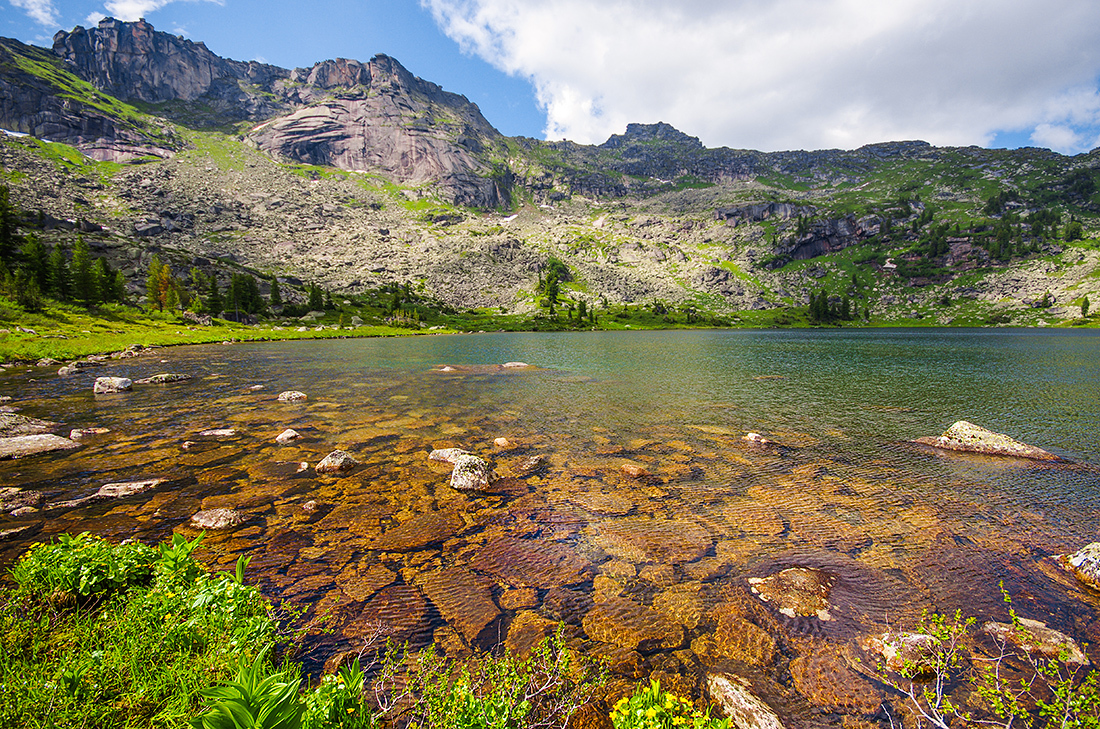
(649,572)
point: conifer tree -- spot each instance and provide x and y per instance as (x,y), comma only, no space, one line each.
(8,238)
(276,295)
(36,260)
(152,283)
(103,279)
(214,303)
(83,280)
(60,279)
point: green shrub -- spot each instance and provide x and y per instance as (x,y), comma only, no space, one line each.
(84,565)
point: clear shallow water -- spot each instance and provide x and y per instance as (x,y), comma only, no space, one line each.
(900,528)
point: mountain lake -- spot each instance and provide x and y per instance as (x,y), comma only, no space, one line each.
(629,506)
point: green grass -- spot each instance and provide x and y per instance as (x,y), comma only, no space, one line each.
(67,331)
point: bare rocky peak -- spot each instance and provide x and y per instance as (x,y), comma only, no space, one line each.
(650,133)
(133,61)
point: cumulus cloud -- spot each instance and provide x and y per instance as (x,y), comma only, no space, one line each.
(40,11)
(135,9)
(787,74)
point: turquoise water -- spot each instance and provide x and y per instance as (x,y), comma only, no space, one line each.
(904,527)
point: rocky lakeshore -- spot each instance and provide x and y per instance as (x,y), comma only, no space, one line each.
(764,568)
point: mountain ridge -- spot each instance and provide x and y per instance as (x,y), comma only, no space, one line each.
(357,174)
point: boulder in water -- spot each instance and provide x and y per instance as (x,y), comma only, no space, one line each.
(291,396)
(107,385)
(217,519)
(162,379)
(337,462)
(22,446)
(1085,564)
(966,437)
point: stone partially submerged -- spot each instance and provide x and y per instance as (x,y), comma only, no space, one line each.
(337,462)
(108,385)
(1035,637)
(12,425)
(471,473)
(966,437)
(1085,564)
(22,446)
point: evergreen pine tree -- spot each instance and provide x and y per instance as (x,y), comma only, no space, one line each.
(8,237)
(1085,307)
(60,279)
(103,279)
(276,295)
(153,283)
(316,299)
(36,260)
(83,280)
(118,287)
(214,303)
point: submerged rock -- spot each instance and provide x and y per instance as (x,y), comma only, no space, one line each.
(465,601)
(162,379)
(969,438)
(631,625)
(291,396)
(15,499)
(910,654)
(448,455)
(1085,564)
(825,679)
(337,462)
(107,385)
(78,433)
(217,519)
(1034,637)
(796,591)
(739,704)
(664,541)
(12,424)
(129,488)
(22,446)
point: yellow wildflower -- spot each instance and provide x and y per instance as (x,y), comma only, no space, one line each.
(650,712)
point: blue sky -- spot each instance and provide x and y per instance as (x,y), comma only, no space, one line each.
(754,74)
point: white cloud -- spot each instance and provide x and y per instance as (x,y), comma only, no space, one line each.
(40,11)
(135,9)
(786,74)
(94,18)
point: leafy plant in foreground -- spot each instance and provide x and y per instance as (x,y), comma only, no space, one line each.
(84,566)
(257,698)
(652,708)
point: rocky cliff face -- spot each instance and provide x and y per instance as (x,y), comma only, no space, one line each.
(377,117)
(133,61)
(38,98)
(371,117)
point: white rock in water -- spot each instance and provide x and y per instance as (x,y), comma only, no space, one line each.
(106,385)
(512,365)
(287,436)
(291,396)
